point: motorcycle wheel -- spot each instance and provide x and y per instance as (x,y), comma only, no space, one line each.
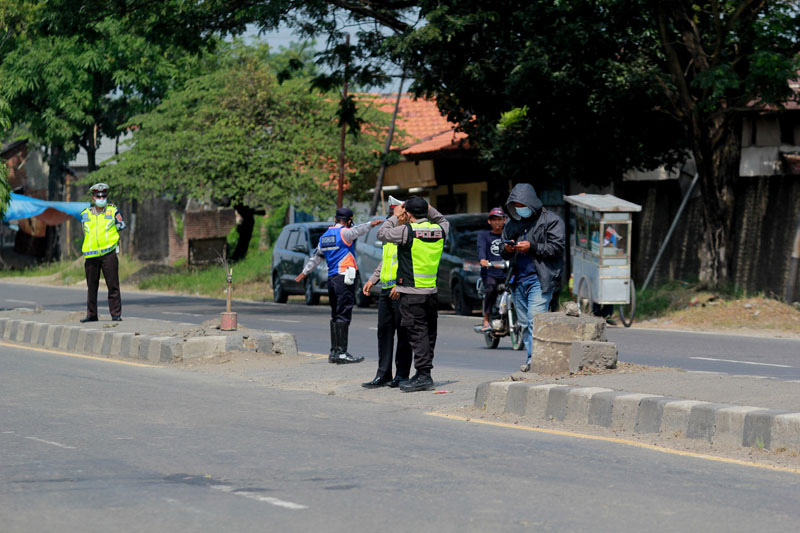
(515,330)
(491,340)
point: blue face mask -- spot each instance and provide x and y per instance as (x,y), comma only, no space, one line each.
(100,202)
(524,212)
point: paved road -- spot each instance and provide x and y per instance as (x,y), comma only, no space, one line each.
(91,445)
(458,346)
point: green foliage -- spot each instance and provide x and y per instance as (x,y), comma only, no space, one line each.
(5,189)
(236,133)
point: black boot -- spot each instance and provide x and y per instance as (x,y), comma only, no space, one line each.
(334,343)
(342,357)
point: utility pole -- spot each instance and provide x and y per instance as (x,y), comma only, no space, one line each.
(344,129)
(379,182)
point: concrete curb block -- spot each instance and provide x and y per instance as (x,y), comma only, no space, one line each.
(149,348)
(730,425)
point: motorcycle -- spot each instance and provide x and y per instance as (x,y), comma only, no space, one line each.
(503,316)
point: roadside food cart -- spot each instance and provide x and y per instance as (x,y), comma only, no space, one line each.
(601,253)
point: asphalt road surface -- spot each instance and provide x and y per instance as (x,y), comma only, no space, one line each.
(457,345)
(100,445)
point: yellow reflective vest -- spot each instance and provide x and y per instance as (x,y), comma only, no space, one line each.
(100,235)
(418,259)
(389,265)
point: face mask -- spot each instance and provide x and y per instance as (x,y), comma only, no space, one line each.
(100,202)
(524,212)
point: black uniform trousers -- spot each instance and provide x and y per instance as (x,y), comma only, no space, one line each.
(388,325)
(109,265)
(419,315)
(341,298)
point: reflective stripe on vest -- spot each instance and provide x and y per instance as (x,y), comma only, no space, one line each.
(100,235)
(418,260)
(389,265)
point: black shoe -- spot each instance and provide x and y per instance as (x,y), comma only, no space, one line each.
(417,383)
(397,381)
(343,358)
(381,381)
(116,318)
(88,319)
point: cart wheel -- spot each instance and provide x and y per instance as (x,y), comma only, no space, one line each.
(584,296)
(491,340)
(626,312)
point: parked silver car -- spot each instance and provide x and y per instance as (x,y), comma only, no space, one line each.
(293,247)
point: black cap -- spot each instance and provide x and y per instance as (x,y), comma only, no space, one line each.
(344,214)
(417,206)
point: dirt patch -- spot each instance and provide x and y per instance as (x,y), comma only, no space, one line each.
(148,271)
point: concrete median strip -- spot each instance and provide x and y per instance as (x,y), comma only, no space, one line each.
(102,340)
(723,424)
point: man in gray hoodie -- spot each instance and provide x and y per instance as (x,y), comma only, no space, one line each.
(534,238)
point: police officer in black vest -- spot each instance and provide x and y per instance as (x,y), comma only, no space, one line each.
(338,246)
(419,232)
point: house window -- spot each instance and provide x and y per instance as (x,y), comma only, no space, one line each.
(786,123)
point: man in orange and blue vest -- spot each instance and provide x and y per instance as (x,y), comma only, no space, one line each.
(102,223)
(338,247)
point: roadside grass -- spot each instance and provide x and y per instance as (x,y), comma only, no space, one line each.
(69,272)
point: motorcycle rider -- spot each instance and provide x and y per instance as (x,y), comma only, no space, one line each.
(538,241)
(490,243)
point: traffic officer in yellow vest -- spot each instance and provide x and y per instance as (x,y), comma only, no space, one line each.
(419,232)
(389,318)
(102,223)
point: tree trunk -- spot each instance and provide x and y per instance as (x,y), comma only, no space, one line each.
(55,192)
(718,153)
(245,230)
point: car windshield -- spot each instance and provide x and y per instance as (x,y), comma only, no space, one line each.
(315,234)
(466,238)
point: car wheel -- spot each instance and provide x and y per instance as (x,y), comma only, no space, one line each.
(361,300)
(460,304)
(311,298)
(278,293)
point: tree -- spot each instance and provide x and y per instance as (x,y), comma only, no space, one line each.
(5,189)
(236,133)
(717,61)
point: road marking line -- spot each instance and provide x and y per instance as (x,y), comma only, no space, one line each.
(20,301)
(740,362)
(79,356)
(259,498)
(621,441)
(52,443)
(281,320)
(179,313)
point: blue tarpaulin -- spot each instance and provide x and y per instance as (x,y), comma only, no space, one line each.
(26,207)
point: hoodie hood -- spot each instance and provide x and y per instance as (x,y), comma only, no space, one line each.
(523,193)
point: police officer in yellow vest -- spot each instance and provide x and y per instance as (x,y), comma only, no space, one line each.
(102,223)
(389,318)
(419,232)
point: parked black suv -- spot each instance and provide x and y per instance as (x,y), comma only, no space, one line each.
(459,269)
(292,249)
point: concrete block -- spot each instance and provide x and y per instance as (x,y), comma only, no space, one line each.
(69,337)
(592,354)
(134,347)
(729,425)
(233,342)
(36,331)
(94,341)
(144,347)
(105,344)
(80,344)
(3,324)
(41,338)
(557,403)
(538,400)
(579,402)
(786,432)
(703,421)
(481,393)
(758,428)
(164,350)
(260,342)
(648,419)
(496,396)
(53,334)
(283,344)
(517,398)
(675,417)
(11,329)
(23,331)
(120,344)
(553,334)
(601,408)
(203,346)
